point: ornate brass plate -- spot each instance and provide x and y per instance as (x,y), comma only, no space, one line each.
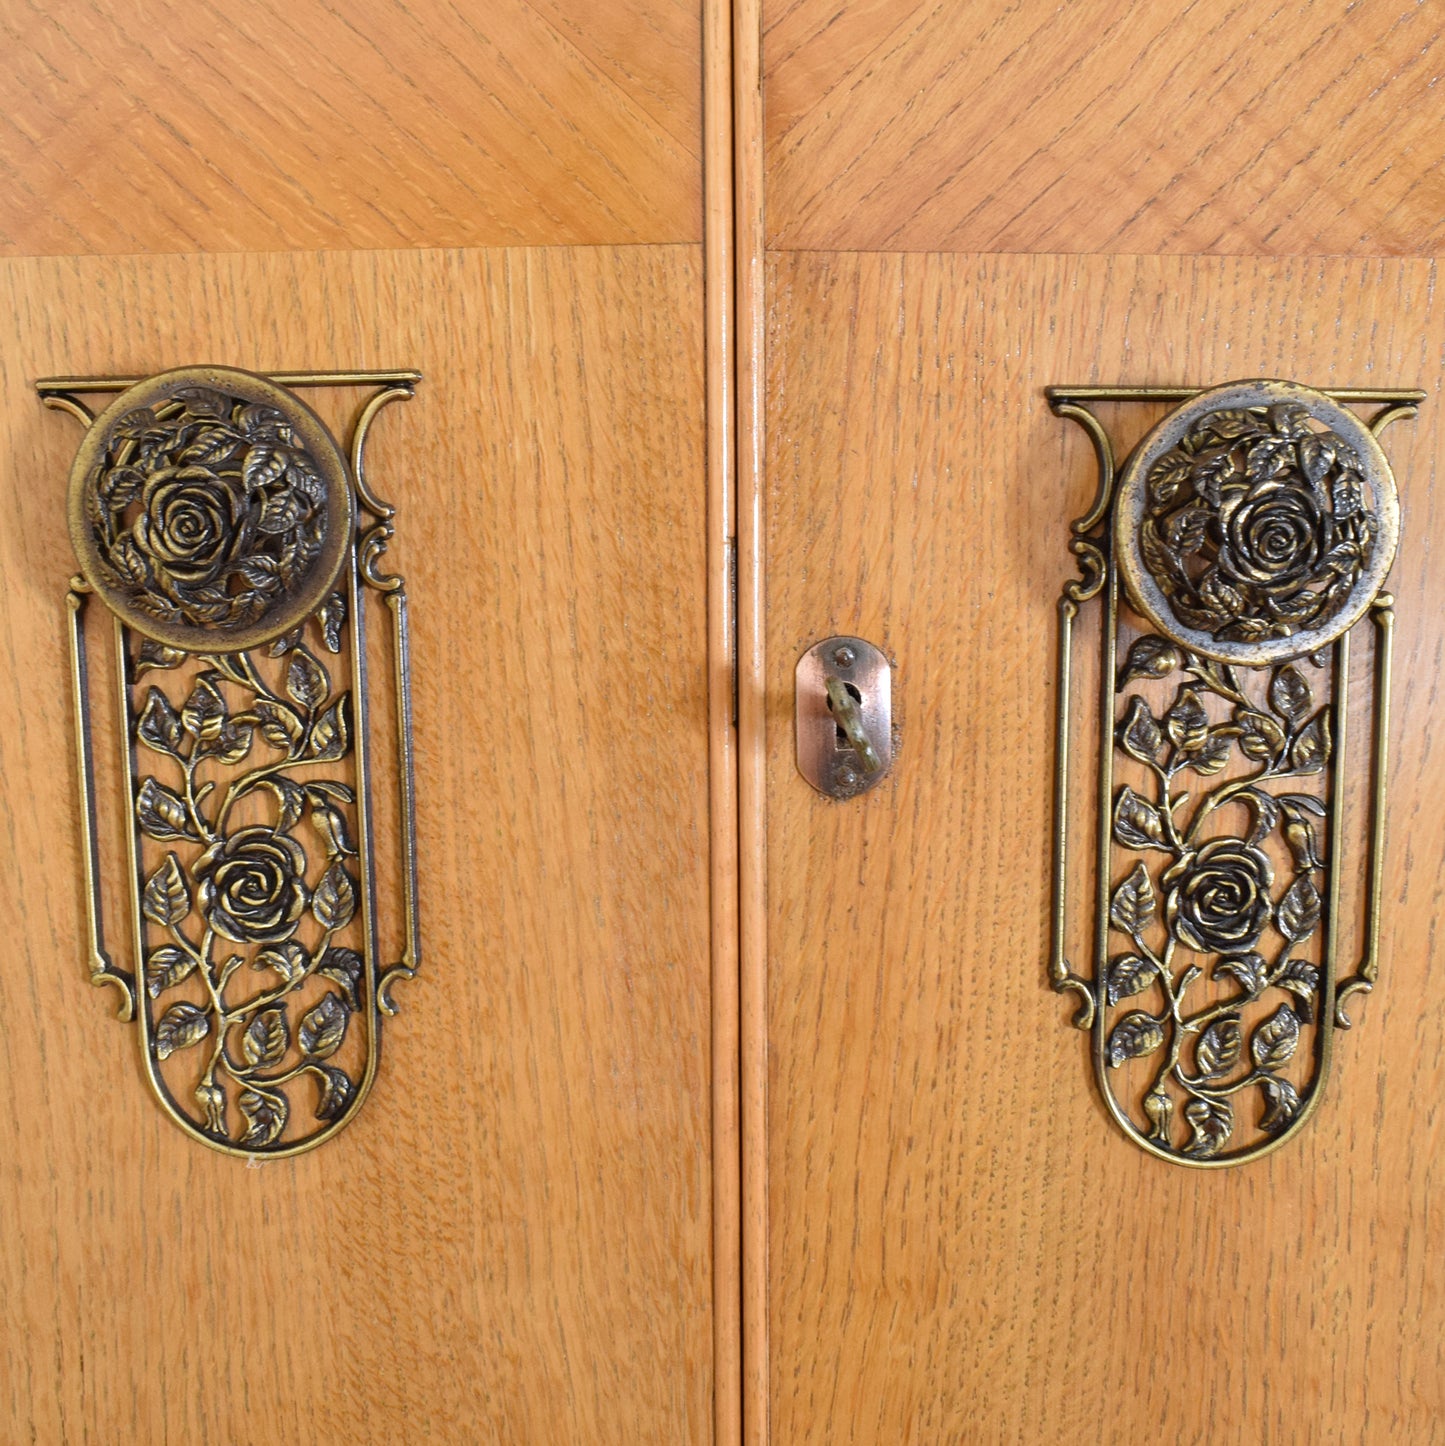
(238,550)
(1249,532)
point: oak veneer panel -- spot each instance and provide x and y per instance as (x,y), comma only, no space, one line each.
(512,1243)
(961,1246)
(1105,125)
(167,125)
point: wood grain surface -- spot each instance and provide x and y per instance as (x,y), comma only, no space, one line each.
(157,125)
(1105,125)
(962,1247)
(720,342)
(753,822)
(512,1243)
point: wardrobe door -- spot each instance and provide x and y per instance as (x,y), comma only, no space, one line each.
(964,205)
(512,1240)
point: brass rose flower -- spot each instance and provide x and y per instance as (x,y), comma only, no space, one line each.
(1273,536)
(251,888)
(195,523)
(1220,902)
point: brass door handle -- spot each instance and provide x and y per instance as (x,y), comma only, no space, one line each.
(237,549)
(1231,558)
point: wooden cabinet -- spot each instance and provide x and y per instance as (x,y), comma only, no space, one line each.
(717,1106)
(964,205)
(513,1240)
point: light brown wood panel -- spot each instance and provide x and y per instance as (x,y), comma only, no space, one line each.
(1105,125)
(512,1243)
(961,1246)
(155,125)
(720,309)
(750,271)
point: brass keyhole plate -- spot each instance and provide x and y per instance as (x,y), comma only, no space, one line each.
(825,756)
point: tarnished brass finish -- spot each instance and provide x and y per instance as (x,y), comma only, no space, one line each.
(847,712)
(1256,522)
(1252,528)
(238,549)
(210,509)
(844,716)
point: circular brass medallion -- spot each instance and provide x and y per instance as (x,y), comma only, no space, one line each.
(210,509)
(1256,523)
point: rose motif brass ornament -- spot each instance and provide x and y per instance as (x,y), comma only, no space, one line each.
(209,509)
(237,548)
(1256,523)
(1246,535)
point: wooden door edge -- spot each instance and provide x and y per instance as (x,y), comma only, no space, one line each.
(751,690)
(733,287)
(748,208)
(719,352)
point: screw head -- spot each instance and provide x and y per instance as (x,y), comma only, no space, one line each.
(847,778)
(845,657)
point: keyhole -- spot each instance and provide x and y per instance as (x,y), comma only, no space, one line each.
(840,741)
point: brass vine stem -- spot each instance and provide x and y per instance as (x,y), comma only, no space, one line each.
(248,783)
(208,939)
(1198,1023)
(1222,682)
(1167,805)
(1228,792)
(1172,993)
(184,943)
(225,663)
(275,995)
(189,764)
(250,1078)
(1221,1091)
(214,989)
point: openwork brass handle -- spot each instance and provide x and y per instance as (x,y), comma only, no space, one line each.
(237,549)
(1247,534)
